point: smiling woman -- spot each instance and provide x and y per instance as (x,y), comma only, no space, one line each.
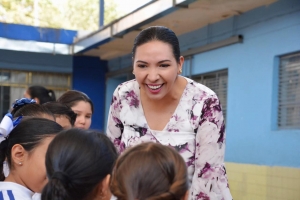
(163,107)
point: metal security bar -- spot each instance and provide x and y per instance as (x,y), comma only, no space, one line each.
(289,92)
(216,81)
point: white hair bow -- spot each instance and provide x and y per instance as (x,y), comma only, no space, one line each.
(7,124)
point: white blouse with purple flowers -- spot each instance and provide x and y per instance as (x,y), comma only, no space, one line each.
(196,130)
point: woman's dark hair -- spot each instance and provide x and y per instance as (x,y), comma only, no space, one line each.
(149,171)
(59,109)
(158,33)
(42,94)
(76,162)
(72,97)
(31,110)
(29,133)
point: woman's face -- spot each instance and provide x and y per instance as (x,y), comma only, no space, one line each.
(84,114)
(34,168)
(156,69)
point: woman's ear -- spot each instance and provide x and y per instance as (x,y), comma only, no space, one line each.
(18,154)
(181,61)
(180,64)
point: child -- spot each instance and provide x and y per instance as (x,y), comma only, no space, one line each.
(24,149)
(29,107)
(40,94)
(64,115)
(150,171)
(79,163)
(81,104)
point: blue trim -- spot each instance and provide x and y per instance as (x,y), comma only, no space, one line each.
(23,32)
(10,195)
(275,84)
(1,196)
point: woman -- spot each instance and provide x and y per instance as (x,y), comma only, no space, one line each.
(79,163)
(163,107)
(150,171)
(39,94)
(81,104)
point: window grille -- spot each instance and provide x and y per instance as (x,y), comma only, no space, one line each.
(289,92)
(216,81)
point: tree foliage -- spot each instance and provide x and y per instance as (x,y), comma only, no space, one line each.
(65,14)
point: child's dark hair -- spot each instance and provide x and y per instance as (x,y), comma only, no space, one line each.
(72,97)
(76,162)
(42,94)
(59,109)
(31,110)
(29,133)
(149,171)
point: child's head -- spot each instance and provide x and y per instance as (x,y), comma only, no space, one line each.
(40,94)
(149,171)
(64,115)
(25,150)
(28,107)
(79,163)
(81,104)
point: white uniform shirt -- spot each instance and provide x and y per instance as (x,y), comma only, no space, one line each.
(10,191)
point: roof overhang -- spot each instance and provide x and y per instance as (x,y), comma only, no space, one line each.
(182,16)
(18,37)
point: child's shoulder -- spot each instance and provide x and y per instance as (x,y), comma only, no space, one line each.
(14,191)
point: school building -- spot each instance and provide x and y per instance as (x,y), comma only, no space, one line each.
(247,51)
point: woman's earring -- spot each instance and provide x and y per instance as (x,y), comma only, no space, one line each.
(133,72)
(180,71)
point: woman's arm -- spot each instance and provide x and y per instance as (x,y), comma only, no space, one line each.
(114,124)
(210,180)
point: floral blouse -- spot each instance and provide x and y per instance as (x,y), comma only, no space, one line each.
(196,130)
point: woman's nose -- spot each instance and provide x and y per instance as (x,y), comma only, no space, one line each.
(153,75)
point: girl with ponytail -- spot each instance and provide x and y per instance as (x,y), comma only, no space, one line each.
(40,94)
(79,163)
(24,149)
(150,171)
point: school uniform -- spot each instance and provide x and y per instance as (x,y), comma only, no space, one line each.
(14,191)
(37,196)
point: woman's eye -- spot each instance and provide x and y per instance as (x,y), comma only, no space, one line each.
(88,117)
(164,65)
(141,66)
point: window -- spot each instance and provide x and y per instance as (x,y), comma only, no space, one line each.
(289,92)
(14,83)
(216,81)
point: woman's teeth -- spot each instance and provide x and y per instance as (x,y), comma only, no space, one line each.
(154,87)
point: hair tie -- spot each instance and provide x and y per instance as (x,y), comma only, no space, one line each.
(62,177)
(7,124)
(21,102)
